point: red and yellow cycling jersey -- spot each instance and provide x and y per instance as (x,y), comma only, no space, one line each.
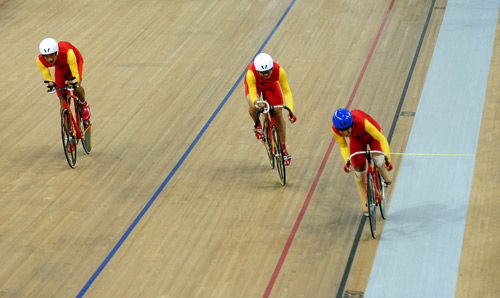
(365,131)
(255,85)
(69,64)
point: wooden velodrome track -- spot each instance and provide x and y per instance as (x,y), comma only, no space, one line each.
(155,211)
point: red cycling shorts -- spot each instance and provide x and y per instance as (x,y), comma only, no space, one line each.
(63,73)
(361,143)
(272,92)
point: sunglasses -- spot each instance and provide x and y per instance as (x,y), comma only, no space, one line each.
(345,129)
(266,72)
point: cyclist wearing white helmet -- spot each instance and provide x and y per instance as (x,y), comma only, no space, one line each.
(68,63)
(362,131)
(264,76)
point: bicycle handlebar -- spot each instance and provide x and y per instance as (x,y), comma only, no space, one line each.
(50,89)
(266,110)
(368,153)
(66,87)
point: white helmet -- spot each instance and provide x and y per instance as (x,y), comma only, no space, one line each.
(263,62)
(48,46)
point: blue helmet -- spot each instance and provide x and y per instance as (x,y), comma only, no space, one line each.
(342,119)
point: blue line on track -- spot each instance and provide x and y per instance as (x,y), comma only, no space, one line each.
(176,167)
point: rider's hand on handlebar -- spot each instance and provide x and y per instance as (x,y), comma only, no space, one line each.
(72,82)
(347,169)
(292,119)
(51,86)
(389,167)
(261,105)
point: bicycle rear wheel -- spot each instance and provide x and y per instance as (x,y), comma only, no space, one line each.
(382,203)
(370,195)
(267,142)
(278,155)
(86,129)
(68,138)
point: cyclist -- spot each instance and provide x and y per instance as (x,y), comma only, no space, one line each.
(268,77)
(69,67)
(362,131)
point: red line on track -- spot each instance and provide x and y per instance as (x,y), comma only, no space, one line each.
(291,237)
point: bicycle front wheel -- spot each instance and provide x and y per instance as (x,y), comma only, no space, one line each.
(86,129)
(382,203)
(267,142)
(370,195)
(278,155)
(68,135)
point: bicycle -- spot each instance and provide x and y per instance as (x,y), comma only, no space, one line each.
(375,188)
(272,140)
(73,128)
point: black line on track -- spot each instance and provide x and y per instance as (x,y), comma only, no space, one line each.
(355,244)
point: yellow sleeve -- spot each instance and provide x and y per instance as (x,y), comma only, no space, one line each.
(344,148)
(73,66)
(252,86)
(285,88)
(45,70)
(377,135)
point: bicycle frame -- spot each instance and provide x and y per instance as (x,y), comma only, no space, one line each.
(73,128)
(268,111)
(371,168)
(75,122)
(272,139)
(375,192)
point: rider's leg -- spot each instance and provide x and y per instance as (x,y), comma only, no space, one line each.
(252,109)
(379,162)
(251,106)
(80,93)
(274,96)
(61,103)
(360,179)
(358,162)
(280,122)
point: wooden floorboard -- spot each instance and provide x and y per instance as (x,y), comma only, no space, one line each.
(155,72)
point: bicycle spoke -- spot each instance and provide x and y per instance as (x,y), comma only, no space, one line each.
(370,192)
(86,129)
(268,143)
(382,204)
(68,138)
(278,155)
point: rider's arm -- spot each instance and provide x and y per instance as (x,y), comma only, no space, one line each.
(377,135)
(45,70)
(344,148)
(285,88)
(252,86)
(73,65)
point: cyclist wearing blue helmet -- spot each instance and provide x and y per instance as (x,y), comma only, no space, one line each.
(362,131)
